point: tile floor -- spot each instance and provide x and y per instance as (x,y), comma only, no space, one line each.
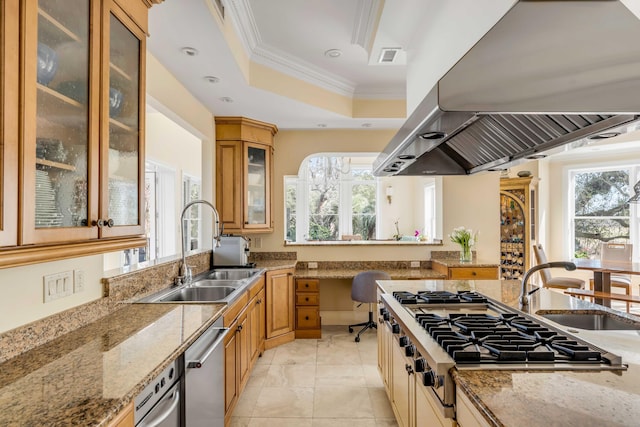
(332,381)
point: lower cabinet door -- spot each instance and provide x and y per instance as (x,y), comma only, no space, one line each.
(307,318)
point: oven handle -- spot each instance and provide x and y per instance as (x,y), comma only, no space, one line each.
(197,363)
(163,416)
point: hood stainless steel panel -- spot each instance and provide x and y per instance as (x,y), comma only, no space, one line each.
(547,74)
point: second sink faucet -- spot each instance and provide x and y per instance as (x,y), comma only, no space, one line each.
(184,275)
(524,296)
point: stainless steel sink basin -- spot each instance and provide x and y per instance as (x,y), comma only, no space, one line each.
(232,273)
(593,320)
(204,283)
(199,294)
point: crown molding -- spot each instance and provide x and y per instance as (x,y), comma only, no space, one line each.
(367,15)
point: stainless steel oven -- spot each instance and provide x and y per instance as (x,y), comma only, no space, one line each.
(158,405)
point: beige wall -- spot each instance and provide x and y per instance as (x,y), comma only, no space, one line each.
(462,197)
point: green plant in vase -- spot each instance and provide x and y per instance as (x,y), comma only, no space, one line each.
(466,238)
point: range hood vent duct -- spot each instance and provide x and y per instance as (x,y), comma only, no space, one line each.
(549,73)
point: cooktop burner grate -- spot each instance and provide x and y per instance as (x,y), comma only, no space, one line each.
(439,297)
(507,338)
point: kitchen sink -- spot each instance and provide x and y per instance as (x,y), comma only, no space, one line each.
(232,273)
(199,294)
(592,320)
(204,283)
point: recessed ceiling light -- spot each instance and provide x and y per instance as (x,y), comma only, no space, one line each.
(212,79)
(189,51)
(604,135)
(226,99)
(536,156)
(333,53)
(322,125)
(366,125)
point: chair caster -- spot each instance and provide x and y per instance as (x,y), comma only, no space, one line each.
(350,330)
(357,339)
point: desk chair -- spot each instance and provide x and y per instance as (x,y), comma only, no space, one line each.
(549,281)
(618,252)
(364,289)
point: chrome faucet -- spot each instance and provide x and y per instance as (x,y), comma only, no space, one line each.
(184,275)
(524,296)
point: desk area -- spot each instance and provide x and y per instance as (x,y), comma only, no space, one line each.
(602,271)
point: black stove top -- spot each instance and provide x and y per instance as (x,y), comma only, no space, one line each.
(507,338)
(439,297)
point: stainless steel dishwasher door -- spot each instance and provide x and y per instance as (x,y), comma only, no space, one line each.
(204,379)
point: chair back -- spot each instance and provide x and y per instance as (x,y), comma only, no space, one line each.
(541,258)
(363,287)
(616,252)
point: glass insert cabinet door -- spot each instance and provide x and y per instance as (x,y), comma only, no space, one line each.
(257,177)
(60,128)
(122,199)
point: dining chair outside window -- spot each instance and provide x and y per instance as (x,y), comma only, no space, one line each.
(618,252)
(548,281)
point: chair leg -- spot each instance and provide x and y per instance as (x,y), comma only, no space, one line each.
(367,325)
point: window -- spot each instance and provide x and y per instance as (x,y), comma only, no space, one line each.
(599,211)
(191,189)
(333,197)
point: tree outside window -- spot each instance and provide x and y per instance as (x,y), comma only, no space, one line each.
(600,211)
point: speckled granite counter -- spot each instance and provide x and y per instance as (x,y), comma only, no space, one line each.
(549,398)
(276,264)
(347,273)
(87,376)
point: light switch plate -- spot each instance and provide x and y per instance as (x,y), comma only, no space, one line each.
(415,264)
(57,285)
(78,281)
(312,265)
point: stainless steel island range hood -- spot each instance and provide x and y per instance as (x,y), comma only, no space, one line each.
(547,74)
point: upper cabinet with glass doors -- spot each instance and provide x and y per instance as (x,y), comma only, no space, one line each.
(244,165)
(82,106)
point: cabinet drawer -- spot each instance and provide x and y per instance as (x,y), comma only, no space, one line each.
(307,298)
(307,318)
(473,273)
(307,285)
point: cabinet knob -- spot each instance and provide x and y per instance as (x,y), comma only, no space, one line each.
(306,317)
(306,299)
(103,223)
(239,328)
(306,285)
(246,222)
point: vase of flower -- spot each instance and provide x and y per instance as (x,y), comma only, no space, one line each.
(466,239)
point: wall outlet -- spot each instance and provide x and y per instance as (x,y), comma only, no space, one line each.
(312,265)
(57,285)
(78,281)
(415,264)
(257,242)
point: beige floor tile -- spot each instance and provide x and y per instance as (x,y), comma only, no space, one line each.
(290,376)
(343,422)
(380,403)
(372,376)
(342,402)
(258,375)
(329,356)
(280,422)
(267,357)
(239,421)
(247,401)
(346,375)
(285,402)
(294,353)
(390,422)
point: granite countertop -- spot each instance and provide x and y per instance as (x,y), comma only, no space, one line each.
(86,377)
(549,398)
(455,262)
(276,264)
(349,273)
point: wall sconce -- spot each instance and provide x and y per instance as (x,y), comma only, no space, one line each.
(389,193)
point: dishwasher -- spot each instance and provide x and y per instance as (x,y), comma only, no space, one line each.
(158,404)
(204,379)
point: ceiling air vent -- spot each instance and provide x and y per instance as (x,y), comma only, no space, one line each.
(388,55)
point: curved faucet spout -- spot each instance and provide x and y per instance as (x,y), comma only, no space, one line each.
(524,297)
(185,270)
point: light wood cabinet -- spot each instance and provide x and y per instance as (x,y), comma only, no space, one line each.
(465,273)
(124,418)
(279,297)
(308,323)
(257,320)
(517,225)
(466,414)
(244,174)
(236,359)
(75,98)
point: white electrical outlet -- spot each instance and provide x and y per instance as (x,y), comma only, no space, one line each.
(415,264)
(78,281)
(312,265)
(57,285)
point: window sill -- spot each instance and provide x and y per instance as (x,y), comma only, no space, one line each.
(364,243)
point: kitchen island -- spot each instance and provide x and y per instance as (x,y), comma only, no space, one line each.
(527,397)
